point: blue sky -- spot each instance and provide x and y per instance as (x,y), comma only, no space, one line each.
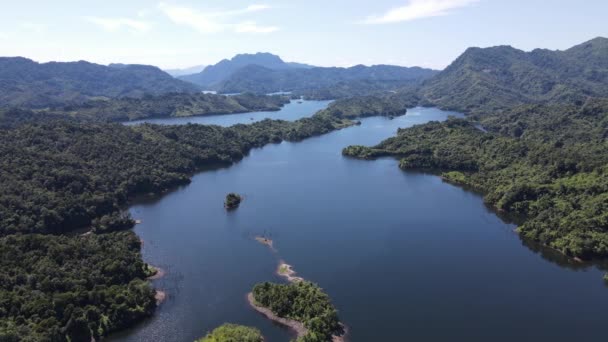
(182,33)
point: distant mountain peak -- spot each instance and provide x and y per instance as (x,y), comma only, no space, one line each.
(227,67)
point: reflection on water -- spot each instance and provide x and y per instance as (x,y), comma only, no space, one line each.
(290,112)
(403,255)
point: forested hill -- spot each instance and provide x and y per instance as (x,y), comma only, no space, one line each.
(360,78)
(501,77)
(26,83)
(148,106)
(214,74)
(543,153)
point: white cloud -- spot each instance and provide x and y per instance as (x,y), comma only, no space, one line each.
(216,21)
(117,24)
(252,27)
(418,9)
(204,23)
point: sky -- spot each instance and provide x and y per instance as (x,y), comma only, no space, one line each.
(183,33)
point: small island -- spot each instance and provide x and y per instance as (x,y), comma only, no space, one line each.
(301,306)
(232,332)
(286,270)
(264,241)
(233,201)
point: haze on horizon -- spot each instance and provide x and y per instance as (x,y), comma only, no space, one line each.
(184,33)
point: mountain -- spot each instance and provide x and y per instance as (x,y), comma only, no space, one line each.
(186,71)
(358,80)
(216,73)
(24,82)
(502,76)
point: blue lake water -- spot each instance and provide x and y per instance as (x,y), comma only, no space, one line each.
(403,255)
(292,111)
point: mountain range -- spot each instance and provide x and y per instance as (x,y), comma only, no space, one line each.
(185,71)
(24,82)
(481,79)
(215,74)
(263,73)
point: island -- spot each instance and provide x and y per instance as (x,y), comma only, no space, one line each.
(265,241)
(232,332)
(286,270)
(300,305)
(233,201)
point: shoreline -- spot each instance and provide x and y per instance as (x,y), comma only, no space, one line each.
(160,273)
(266,242)
(293,325)
(286,271)
(160,296)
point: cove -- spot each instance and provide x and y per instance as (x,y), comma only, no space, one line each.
(403,255)
(292,111)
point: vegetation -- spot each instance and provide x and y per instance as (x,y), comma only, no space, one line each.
(128,109)
(304,302)
(548,164)
(543,150)
(314,82)
(484,81)
(543,156)
(60,176)
(25,83)
(363,106)
(214,74)
(60,288)
(233,333)
(232,201)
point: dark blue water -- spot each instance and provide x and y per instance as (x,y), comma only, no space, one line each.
(292,111)
(404,256)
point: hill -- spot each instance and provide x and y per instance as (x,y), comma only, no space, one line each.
(26,83)
(542,153)
(185,71)
(217,73)
(500,77)
(357,80)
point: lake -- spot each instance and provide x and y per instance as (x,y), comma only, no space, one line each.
(292,111)
(403,255)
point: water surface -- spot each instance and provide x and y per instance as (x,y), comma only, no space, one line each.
(404,256)
(292,111)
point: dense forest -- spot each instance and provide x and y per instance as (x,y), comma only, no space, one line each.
(233,333)
(265,73)
(304,302)
(25,83)
(364,106)
(482,81)
(535,143)
(148,106)
(60,176)
(171,105)
(548,164)
(60,288)
(362,79)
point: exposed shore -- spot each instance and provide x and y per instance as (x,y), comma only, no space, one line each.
(286,271)
(296,326)
(159,273)
(265,241)
(160,296)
